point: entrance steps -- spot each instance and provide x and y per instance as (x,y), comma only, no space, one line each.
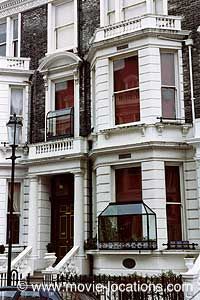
(36,278)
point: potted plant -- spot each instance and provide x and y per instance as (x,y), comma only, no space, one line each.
(189,261)
(3,258)
(50,257)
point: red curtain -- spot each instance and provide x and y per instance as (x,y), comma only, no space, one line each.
(173,194)
(64,96)
(128,185)
(127,103)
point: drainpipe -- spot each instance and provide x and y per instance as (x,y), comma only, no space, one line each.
(189,43)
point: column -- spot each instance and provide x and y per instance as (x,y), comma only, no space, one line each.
(149,6)
(33,219)
(81,258)
(79,211)
(165,7)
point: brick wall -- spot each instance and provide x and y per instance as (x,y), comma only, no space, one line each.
(34,45)
(89,20)
(189,10)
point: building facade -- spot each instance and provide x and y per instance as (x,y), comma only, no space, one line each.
(109,96)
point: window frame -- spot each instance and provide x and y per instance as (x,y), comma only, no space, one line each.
(4,21)
(113,177)
(177,83)
(52,47)
(113,116)
(182,198)
(22,87)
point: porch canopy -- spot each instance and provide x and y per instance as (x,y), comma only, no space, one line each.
(127,226)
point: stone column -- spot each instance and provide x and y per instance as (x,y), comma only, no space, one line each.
(79,221)
(149,6)
(33,220)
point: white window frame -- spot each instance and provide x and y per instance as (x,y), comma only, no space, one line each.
(177,83)
(112,95)
(9,34)
(119,10)
(52,28)
(5,43)
(182,204)
(20,213)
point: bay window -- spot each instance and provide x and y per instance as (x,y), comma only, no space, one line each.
(126,90)
(168,85)
(3,35)
(128,223)
(16,101)
(173,203)
(64,25)
(16,212)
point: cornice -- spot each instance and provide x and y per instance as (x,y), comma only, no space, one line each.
(11,7)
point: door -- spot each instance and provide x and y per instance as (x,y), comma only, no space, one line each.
(62,225)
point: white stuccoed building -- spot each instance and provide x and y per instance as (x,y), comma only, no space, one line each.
(129,187)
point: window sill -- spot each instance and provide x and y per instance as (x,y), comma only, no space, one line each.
(142,252)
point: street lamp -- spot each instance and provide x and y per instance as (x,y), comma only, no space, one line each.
(14,127)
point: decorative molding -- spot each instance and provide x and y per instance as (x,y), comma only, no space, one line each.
(12,7)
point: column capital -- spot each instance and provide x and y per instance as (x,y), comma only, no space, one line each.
(33,178)
(79,172)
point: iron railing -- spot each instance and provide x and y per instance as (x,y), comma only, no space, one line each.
(60,123)
(180,245)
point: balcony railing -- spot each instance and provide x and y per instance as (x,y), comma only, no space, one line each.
(60,124)
(14,63)
(171,23)
(180,245)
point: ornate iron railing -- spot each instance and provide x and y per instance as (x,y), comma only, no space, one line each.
(180,245)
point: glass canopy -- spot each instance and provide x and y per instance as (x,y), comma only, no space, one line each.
(127,226)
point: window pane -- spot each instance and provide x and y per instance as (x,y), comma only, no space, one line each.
(174,222)
(65,37)
(134,11)
(3,33)
(168,103)
(126,73)
(64,94)
(111,5)
(16,101)
(168,69)
(64,14)
(172,181)
(15,44)
(15,29)
(128,184)
(127,107)
(3,50)
(15,228)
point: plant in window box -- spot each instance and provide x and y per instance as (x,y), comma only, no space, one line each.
(189,261)
(3,258)
(50,257)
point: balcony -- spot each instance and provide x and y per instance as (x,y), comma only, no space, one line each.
(60,124)
(15,63)
(127,226)
(171,23)
(58,148)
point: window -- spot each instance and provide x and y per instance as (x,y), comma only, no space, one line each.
(3,39)
(15,37)
(126,90)
(128,185)
(173,198)
(16,212)
(133,8)
(64,25)
(168,81)
(111,11)
(60,123)
(16,104)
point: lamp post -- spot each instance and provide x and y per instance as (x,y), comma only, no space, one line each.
(14,127)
